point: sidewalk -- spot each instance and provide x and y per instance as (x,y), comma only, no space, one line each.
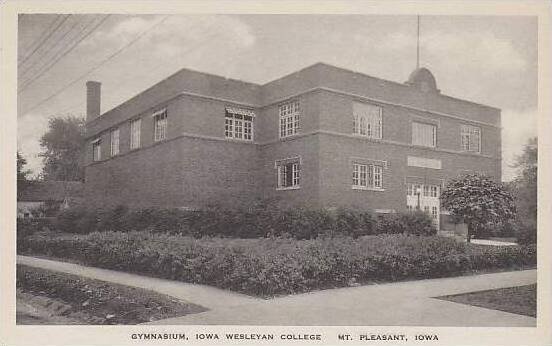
(402,303)
(206,296)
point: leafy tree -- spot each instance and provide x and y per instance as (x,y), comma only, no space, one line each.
(63,149)
(21,172)
(478,201)
(524,187)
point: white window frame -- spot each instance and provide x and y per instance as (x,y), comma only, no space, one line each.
(160,121)
(467,132)
(288,174)
(234,120)
(289,115)
(114,136)
(367,176)
(367,120)
(418,136)
(135,133)
(97,150)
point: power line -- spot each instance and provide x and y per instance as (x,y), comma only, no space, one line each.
(44,33)
(98,65)
(203,42)
(44,40)
(38,61)
(96,26)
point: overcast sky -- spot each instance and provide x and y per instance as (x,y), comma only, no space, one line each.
(489,60)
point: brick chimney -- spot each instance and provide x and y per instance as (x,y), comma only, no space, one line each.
(93,100)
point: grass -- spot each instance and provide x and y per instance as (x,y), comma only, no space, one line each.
(521,300)
(93,301)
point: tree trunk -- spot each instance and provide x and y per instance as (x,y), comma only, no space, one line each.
(469,233)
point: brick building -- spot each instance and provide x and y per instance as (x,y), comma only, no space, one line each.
(321,137)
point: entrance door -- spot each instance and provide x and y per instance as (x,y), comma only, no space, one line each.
(427,201)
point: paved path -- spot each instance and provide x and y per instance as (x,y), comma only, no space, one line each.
(403,303)
(206,296)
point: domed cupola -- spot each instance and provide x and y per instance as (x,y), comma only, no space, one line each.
(422,79)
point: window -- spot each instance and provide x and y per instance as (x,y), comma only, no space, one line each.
(289,118)
(367,176)
(434,191)
(97,150)
(289,175)
(160,125)
(434,212)
(114,142)
(367,120)
(238,124)
(424,134)
(471,138)
(426,190)
(135,130)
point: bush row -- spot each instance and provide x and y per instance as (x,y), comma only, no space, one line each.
(269,267)
(258,222)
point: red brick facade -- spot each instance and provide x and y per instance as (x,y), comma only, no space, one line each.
(196,165)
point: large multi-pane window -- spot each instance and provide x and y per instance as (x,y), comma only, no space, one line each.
(425,190)
(424,134)
(289,118)
(238,124)
(135,130)
(289,175)
(114,142)
(367,176)
(470,137)
(97,149)
(367,120)
(160,127)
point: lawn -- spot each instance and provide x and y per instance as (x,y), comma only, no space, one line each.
(48,297)
(520,300)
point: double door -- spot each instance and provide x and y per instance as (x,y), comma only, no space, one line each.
(424,197)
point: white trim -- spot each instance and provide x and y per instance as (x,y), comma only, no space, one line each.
(161,111)
(96,140)
(296,187)
(240,111)
(364,188)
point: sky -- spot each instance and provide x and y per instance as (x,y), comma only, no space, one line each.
(485,59)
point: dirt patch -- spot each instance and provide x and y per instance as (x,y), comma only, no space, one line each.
(48,297)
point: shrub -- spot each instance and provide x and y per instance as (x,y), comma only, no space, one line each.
(279,266)
(256,222)
(417,223)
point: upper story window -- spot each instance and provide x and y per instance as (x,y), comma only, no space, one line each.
(367,176)
(114,142)
(238,124)
(135,132)
(367,120)
(424,134)
(97,149)
(289,118)
(160,128)
(289,174)
(471,138)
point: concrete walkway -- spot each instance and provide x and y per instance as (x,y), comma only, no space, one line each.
(403,303)
(206,296)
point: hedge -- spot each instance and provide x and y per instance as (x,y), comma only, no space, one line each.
(260,221)
(268,267)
